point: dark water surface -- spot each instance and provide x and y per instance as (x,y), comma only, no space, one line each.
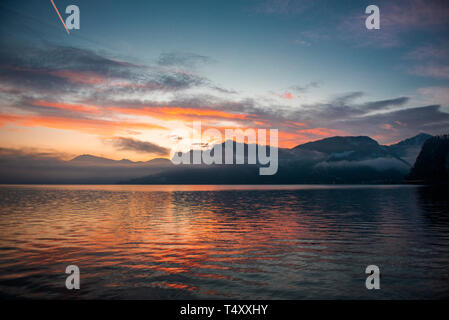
(239,242)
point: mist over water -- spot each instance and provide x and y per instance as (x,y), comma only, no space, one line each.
(237,242)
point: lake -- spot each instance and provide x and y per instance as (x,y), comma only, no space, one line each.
(228,242)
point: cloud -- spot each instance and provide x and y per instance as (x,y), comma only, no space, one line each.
(139,146)
(182,59)
(61,70)
(306,87)
(286,95)
(415,13)
(31,154)
(318,133)
(48,63)
(96,94)
(346,114)
(344,106)
(223,90)
(405,122)
(437,51)
(80,108)
(386,120)
(181,113)
(86,125)
(430,60)
(67,88)
(282,7)
(435,95)
(194,105)
(378,164)
(397,18)
(303,42)
(348,97)
(432,70)
(383,104)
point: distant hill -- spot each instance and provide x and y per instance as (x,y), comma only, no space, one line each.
(16,167)
(89,160)
(432,164)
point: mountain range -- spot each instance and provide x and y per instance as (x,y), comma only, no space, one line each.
(350,159)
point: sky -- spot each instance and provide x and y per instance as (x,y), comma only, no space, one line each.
(138,72)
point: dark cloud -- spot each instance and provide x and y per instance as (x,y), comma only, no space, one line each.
(53,58)
(344,107)
(348,97)
(76,59)
(382,104)
(30,70)
(140,146)
(180,80)
(387,126)
(402,123)
(223,90)
(344,113)
(75,75)
(23,81)
(61,70)
(379,119)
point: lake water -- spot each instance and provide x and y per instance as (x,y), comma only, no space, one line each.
(230,242)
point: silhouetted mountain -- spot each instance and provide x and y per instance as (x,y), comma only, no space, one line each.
(348,148)
(341,144)
(159,162)
(432,164)
(331,160)
(409,149)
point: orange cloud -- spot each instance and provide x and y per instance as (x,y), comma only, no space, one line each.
(287,95)
(285,139)
(82,77)
(93,79)
(321,132)
(178,113)
(67,106)
(294,124)
(202,113)
(92,126)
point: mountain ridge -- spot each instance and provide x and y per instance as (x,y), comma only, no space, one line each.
(349,159)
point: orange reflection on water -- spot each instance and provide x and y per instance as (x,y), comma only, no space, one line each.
(152,232)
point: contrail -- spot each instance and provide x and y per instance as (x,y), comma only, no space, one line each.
(60,17)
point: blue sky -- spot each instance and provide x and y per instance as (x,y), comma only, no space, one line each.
(277,60)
